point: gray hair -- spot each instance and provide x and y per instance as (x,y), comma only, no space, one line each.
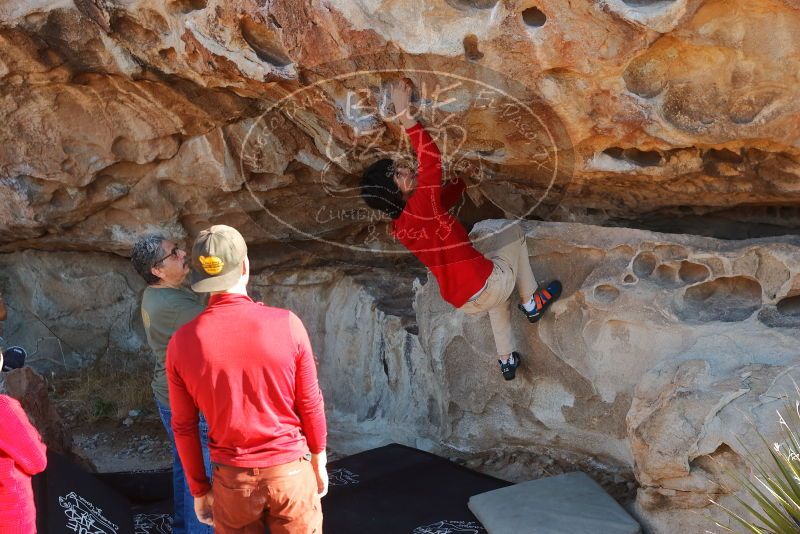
(145,254)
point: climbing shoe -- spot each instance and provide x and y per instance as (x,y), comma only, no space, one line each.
(509,368)
(543,298)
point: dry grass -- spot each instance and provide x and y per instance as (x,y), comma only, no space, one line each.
(104,390)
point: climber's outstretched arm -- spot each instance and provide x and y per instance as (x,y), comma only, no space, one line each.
(400,95)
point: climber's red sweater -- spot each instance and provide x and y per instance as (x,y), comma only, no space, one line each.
(433,235)
(22,455)
(250,370)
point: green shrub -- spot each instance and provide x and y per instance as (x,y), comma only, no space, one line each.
(774,485)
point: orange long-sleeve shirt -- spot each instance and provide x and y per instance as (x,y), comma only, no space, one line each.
(250,370)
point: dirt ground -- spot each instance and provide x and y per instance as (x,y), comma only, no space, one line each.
(113,447)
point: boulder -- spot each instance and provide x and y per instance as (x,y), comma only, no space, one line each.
(30,389)
(662,359)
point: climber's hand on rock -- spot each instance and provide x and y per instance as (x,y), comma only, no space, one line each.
(202,507)
(400,95)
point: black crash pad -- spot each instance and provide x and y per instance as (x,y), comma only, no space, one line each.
(392,489)
(69,500)
(397,489)
(140,486)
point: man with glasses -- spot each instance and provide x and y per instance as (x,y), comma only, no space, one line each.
(166,306)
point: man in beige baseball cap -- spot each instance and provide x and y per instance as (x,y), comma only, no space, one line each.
(250,370)
(218,257)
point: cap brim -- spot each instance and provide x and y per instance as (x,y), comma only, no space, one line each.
(202,283)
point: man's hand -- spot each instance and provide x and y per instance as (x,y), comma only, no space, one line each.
(202,508)
(318,462)
(400,95)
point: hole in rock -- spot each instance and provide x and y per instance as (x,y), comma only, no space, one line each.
(727,299)
(646,76)
(726,222)
(724,154)
(131,31)
(469,4)
(606,293)
(629,279)
(471,51)
(785,314)
(746,109)
(671,252)
(187,6)
(167,54)
(789,306)
(534,17)
(647,3)
(642,158)
(644,264)
(264,43)
(62,199)
(719,465)
(691,273)
(666,276)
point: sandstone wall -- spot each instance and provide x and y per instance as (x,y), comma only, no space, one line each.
(135,116)
(70,309)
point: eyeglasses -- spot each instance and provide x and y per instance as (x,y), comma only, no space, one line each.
(174,252)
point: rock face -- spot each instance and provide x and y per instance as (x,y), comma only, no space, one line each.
(131,116)
(663,357)
(70,309)
(146,116)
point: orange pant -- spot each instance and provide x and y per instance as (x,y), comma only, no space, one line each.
(283,497)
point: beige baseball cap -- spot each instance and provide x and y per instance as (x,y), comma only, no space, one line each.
(217,257)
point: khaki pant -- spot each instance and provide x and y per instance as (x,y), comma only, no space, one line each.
(283,497)
(508,251)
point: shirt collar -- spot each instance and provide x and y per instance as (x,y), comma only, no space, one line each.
(228,298)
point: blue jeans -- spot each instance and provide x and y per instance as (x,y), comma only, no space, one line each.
(184,520)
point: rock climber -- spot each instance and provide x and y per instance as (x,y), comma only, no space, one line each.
(471,280)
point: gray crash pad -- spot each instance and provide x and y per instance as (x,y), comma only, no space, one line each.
(572,503)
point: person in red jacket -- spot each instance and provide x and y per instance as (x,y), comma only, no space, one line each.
(472,281)
(250,370)
(22,455)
